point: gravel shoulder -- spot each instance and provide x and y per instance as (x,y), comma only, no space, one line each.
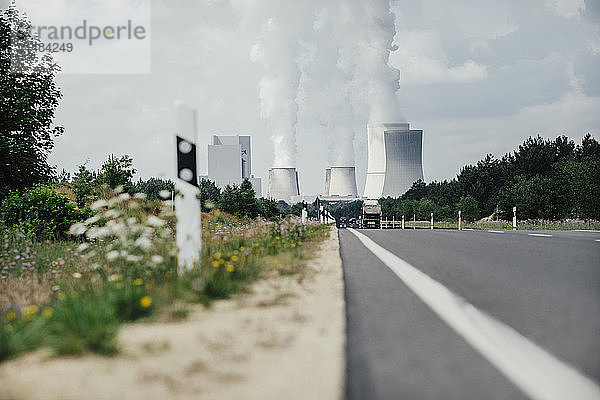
(285,339)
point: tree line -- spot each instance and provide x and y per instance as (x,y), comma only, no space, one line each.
(545,179)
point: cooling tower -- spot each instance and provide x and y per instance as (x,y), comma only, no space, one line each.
(283,184)
(342,182)
(395,159)
(327,180)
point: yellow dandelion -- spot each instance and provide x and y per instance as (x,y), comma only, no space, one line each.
(300,243)
(293,245)
(217,255)
(139,282)
(242,248)
(234,258)
(236,252)
(30,310)
(221,261)
(11,315)
(47,312)
(230,268)
(215,264)
(114,278)
(146,301)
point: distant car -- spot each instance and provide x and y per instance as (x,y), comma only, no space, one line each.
(342,222)
(352,223)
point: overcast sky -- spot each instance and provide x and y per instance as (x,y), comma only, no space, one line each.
(477,76)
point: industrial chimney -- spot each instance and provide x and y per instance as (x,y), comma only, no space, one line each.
(283,184)
(342,182)
(395,159)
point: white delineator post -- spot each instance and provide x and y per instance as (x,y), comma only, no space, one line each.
(515,218)
(459,219)
(304,215)
(431,220)
(321,214)
(414,221)
(187,201)
(403,222)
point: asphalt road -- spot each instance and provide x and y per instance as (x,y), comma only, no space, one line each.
(546,287)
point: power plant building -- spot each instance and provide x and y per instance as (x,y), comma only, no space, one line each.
(395,159)
(230,162)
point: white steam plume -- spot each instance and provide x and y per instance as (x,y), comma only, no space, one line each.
(278,51)
(369,33)
(327,87)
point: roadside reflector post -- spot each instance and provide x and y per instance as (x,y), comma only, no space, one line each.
(187,199)
(514,218)
(403,222)
(393,222)
(414,221)
(431,220)
(459,219)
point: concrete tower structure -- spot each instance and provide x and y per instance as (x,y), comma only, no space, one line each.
(342,182)
(395,159)
(327,180)
(283,184)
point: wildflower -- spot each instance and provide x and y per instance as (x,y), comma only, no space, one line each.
(82,247)
(112,214)
(124,196)
(293,245)
(55,288)
(91,220)
(157,259)
(215,264)
(241,248)
(144,243)
(30,310)
(138,282)
(154,221)
(146,301)
(234,258)
(98,204)
(230,267)
(47,312)
(221,261)
(119,189)
(140,195)
(112,255)
(11,315)
(217,255)
(134,258)
(77,229)
(164,194)
(76,275)
(131,221)
(114,278)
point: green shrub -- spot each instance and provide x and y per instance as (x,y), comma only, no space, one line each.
(40,211)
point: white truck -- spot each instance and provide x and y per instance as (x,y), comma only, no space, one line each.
(371,216)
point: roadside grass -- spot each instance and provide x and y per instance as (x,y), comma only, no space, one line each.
(120,266)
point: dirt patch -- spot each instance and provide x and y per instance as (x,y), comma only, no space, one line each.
(285,340)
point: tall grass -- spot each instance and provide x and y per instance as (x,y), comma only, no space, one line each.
(121,266)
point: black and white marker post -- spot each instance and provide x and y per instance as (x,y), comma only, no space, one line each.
(187,202)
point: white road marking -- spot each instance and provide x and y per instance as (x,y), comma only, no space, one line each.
(597,240)
(539,234)
(467,229)
(536,372)
(586,230)
(496,231)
